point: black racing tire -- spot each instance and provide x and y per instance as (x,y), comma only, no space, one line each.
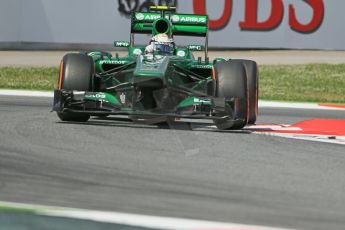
(76,73)
(253,87)
(231,81)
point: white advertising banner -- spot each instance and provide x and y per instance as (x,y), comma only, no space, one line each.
(291,24)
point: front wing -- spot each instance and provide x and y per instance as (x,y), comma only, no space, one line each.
(101,103)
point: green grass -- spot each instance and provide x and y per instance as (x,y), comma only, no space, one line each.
(15,209)
(307,83)
(31,78)
(304,83)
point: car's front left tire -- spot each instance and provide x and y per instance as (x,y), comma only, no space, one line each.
(76,73)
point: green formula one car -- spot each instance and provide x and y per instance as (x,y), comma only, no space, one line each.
(160,82)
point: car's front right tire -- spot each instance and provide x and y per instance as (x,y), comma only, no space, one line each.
(230,81)
(252,73)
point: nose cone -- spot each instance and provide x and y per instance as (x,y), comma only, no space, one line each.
(152,66)
(151,70)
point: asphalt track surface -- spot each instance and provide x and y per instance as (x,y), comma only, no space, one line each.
(119,166)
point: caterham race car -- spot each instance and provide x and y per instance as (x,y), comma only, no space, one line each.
(160,84)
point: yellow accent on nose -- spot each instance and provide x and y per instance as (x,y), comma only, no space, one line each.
(162,7)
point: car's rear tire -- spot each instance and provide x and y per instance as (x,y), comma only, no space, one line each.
(231,82)
(253,87)
(76,73)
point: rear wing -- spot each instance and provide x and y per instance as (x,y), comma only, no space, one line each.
(182,24)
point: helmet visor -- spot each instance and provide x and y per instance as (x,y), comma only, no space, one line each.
(164,48)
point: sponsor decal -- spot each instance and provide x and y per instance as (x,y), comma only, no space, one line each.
(137,52)
(252,20)
(121,44)
(198,100)
(195,47)
(95,96)
(202,66)
(113,62)
(278,7)
(175,18)
(151,17)
(193,19)
(139,16)
(188,19)
(181,53)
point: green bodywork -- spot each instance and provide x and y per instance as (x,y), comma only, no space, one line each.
(162,83)
(181,24)
(191,101)
(141,68)
(106,97)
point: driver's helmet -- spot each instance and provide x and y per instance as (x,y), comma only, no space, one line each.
(163,44)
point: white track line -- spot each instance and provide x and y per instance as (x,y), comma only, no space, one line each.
(26,93)
(156,222)
(294,105)
(340,140)
(262,104)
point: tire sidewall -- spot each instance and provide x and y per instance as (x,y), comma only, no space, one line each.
(231,82)
(76,73)
(253,87)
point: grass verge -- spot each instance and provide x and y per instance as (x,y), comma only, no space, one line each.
(29,78)
(304,83)
(15,209)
